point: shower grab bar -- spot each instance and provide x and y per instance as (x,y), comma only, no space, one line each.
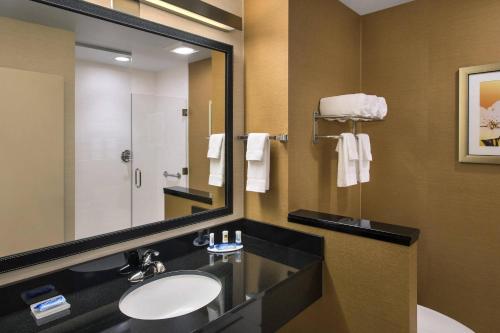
(174,175)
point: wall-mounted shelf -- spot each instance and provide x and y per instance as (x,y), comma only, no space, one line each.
(342,119)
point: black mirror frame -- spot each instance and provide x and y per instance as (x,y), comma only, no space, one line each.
(38,256)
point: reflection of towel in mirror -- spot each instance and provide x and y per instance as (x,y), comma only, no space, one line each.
(348,157)
(365,156)
(215,145)
(216,155)
(259,159)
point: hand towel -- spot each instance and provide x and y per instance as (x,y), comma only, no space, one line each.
(352,105)
(255,146)
(215,144)
(258,168)
(347,160)
(365,156)
(216,177)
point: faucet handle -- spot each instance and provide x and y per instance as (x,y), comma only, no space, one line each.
(159,267)
(147,256)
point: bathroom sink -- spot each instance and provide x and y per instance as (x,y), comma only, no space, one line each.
(170,295)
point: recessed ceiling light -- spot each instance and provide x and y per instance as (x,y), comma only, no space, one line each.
(184,50)
(123,59)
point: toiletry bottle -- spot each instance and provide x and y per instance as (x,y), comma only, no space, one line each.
(212,240)
(225,236)
(238,237)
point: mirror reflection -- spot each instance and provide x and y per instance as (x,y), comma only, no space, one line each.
(104,127)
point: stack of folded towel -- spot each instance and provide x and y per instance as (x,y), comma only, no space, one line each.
(354,105)
(354,159)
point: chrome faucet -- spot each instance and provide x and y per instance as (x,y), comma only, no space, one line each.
(148,267)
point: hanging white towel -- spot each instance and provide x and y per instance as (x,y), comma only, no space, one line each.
(348,158)
(216,150)
(365,156)
(215,144)
(352,105)
(259,159)
(255,146)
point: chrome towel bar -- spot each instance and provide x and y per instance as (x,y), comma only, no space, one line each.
(353,121)
(280,137)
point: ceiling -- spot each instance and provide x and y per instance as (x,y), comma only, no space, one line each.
(149,51)
(363,7)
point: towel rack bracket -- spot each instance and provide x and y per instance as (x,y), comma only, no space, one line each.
(353,120)
(283,138)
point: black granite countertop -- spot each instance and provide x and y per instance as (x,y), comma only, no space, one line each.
(189,193)
(361,227)
(94,289)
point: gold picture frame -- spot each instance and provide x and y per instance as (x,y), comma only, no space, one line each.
(479,114)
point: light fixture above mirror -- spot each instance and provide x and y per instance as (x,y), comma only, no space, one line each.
(201,12)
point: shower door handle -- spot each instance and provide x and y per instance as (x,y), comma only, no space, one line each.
(138,178)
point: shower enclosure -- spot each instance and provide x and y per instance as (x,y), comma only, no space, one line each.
(159,153)
(126,146)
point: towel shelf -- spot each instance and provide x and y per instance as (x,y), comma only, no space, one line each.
(280,137)
(353,120)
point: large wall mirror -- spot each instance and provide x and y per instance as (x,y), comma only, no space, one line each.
(105,124)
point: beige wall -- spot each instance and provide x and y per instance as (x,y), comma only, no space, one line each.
(178,207)
(316,52)
(32,175)
(38,48)
(206,83)
(324,65)
(266,98)
(235,39)
(127,6)
(200,93)
(411,55)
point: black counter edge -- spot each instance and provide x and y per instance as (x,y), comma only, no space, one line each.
(298,240)
(390,233)
(190,194)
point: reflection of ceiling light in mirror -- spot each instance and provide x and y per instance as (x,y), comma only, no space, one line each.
(184,50)
(123,59)
(181,11)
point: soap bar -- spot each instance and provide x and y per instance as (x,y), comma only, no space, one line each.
(49,307)
(225,247)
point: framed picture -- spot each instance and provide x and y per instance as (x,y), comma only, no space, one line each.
(479,114)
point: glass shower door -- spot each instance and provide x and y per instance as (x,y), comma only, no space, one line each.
(160,152)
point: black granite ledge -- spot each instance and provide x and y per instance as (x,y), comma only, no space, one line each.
(189,193)
(297,240)
(360,227)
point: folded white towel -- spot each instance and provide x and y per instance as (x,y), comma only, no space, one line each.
(216,177)
(348,157)
(365,156)
(215,144)
(352,105)
(256,146)
(258,168)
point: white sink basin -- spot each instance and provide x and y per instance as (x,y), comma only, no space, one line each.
(173,295)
